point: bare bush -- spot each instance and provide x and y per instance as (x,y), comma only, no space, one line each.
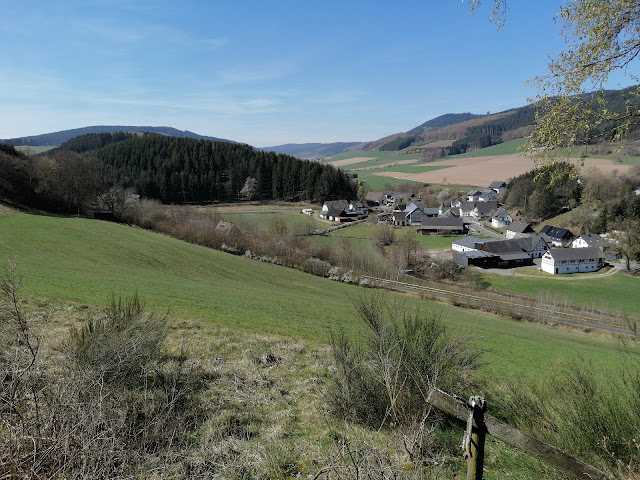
(387,378)
(110,402)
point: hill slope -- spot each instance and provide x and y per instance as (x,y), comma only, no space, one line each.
(57,138)
(444,121)
(88,261)
(313,150)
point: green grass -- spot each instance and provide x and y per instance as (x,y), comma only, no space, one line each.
(85,261)
(615,292)
(378,155)
(34,149)
(505,148)
(356,167)
(294,220)
(377,182)
(411,168)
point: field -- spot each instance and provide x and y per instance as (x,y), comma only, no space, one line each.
(230,312)
(86,262)
(618,293)
(33,150)
(482,170)
(477,168)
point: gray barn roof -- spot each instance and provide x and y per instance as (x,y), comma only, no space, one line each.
(575,253)
(470,242)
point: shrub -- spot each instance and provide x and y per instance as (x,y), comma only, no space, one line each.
(119,344)
(386,378)
(110,402)
(597,420)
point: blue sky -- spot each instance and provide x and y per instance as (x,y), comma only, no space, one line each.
(265,73)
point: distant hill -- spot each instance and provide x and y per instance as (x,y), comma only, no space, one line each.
(313,151)
(57,138)
(444,121)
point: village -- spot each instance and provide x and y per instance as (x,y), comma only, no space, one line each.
(492,238)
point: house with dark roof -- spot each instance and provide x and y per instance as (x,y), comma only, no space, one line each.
(572,260)
(359,207)
(519,229)
(431,212)
(487,195)
(473,195)
(560,237)
(501,218)
(484,210)
(333,205)
(399,219)
(442,225)
(498,186)
(589,240)
(477,210)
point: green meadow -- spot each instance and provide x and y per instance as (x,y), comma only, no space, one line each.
(86,262)
(380,156)
(34,150)
(377,182)
(294,221)
(505,148)
(618,293)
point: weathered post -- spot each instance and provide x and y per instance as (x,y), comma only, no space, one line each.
(475,436)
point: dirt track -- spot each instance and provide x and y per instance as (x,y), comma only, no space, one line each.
(481,171)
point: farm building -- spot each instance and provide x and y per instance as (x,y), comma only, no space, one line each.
(572,260)
(519,229)
(467,244)
(442,225)
(500,253)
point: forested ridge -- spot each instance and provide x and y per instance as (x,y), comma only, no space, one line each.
(57,138)
(184,170)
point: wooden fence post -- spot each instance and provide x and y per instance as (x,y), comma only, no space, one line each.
(475,437)
(489,425)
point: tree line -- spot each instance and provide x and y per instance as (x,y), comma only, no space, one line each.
(169,169)
(184,170)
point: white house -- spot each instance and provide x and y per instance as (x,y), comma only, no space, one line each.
(589,240)
(484,210)
(399,219)
(501,218)
(333,205)
(519,229)
(487,195)
(572,260)
(473,195)
(498,186)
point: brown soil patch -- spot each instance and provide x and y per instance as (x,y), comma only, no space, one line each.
(350,161)
(481,171)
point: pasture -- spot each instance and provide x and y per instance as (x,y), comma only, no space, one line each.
(617,293)
(86,262)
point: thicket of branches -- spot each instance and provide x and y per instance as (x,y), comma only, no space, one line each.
(385,377)
(111,402)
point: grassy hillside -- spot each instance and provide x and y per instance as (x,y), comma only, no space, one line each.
(505,148)
(615,293)
(87,261)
